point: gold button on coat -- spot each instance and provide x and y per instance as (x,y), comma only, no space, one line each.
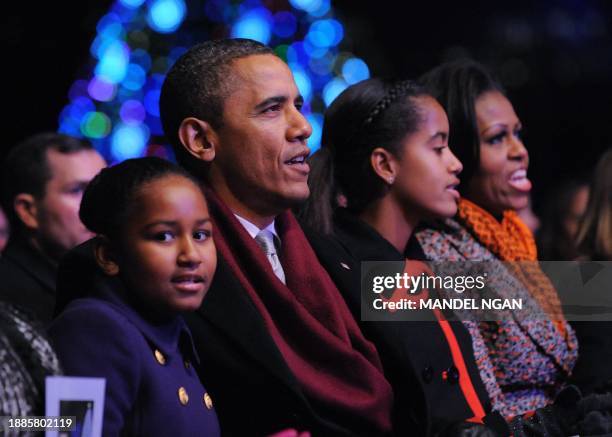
(187,364)
(160,357)
(183,396)
(208,401)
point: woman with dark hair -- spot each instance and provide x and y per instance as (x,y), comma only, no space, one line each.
(384,150)
(523,363)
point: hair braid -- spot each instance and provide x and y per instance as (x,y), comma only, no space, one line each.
(370,114)
(397,90)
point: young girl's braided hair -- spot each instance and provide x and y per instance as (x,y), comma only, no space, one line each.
(370,114)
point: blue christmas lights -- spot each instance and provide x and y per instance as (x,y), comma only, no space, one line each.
(355,70)
(117,107)
(165,16)
(254,24)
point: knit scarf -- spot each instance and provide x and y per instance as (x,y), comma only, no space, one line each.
(338,370)
(511,240)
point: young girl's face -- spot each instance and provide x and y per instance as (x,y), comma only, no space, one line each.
(167,253)
(427,175)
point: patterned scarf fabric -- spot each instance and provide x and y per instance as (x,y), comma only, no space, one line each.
(26,358)
(511,240)
(522,362)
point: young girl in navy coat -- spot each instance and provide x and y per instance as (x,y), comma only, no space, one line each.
(156,259)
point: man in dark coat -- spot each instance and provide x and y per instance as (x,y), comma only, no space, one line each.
(43,181)
(279,347)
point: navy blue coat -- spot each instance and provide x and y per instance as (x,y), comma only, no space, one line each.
(152,387)
(254,391)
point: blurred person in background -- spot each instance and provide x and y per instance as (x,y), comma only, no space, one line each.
(5,230)
(562,212)
(594,234)
(594,242)
(529,217)
(43,179)
(26,358)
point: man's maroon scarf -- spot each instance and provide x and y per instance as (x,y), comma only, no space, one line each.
(308,319)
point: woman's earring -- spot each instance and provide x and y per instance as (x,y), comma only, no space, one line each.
(390,180)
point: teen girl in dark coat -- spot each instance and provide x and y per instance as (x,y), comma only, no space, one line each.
(385,154)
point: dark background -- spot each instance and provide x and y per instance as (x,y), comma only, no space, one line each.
(554,57)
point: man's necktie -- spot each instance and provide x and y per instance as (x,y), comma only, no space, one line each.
(265,240)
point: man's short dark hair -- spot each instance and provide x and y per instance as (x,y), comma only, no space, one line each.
(197,85)
(26,167)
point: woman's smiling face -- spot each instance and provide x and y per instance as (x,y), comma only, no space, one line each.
(501,182)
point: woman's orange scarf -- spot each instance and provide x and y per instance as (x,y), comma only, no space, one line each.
(511,240)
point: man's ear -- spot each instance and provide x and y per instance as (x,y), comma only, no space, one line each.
(105,256)
(26,209)
(384,165)
(198,138)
